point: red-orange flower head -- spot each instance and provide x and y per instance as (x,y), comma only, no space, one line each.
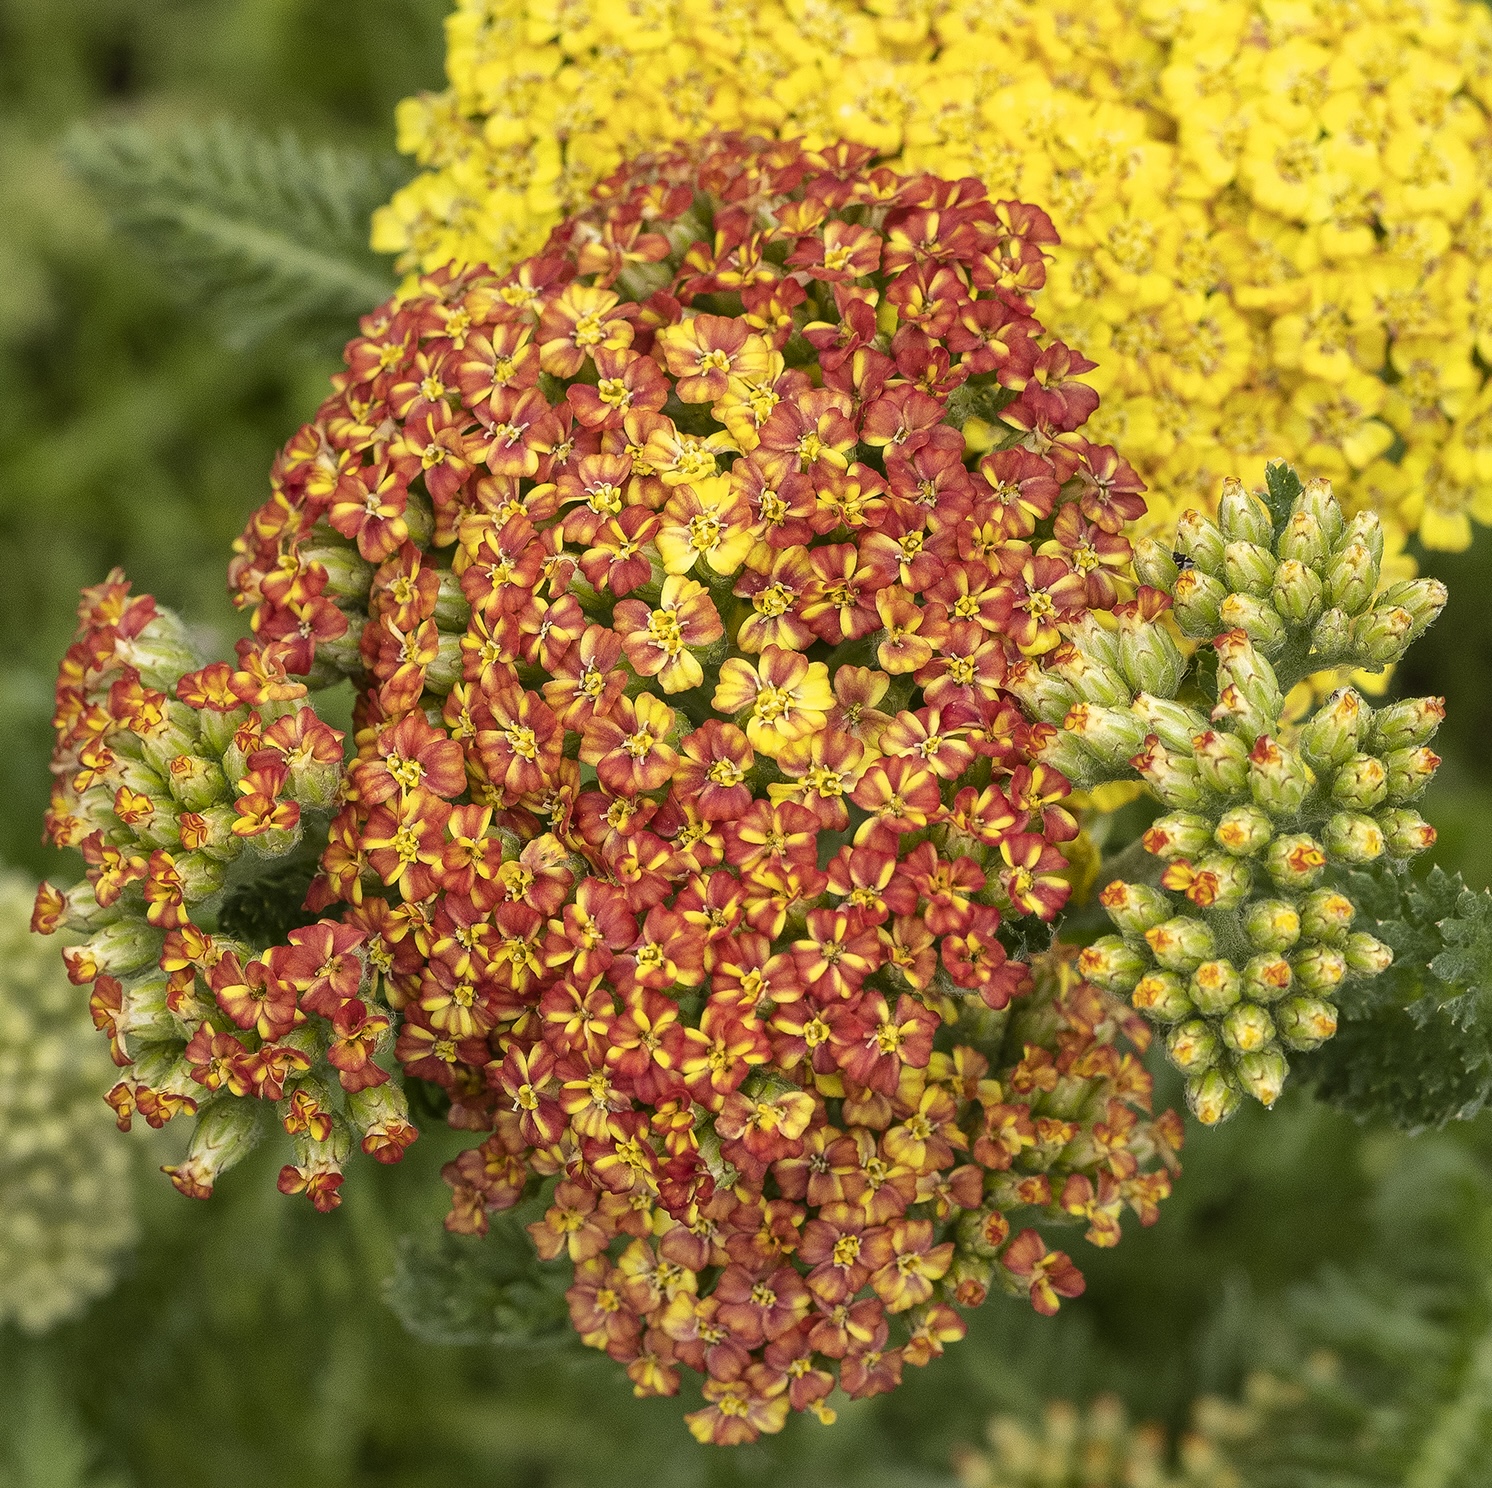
(687,807)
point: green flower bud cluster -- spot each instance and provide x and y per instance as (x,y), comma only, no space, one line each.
(1095,1448)
(193,796)
(176,781)
(65,1210)
(1239,943)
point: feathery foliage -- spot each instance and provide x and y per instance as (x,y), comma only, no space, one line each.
(1415,1045)
(267,230)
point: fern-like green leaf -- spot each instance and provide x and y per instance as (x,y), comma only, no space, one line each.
(1416,1045)
(457,1289)
(266,229)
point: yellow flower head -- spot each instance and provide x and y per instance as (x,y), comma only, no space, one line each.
(1261,205)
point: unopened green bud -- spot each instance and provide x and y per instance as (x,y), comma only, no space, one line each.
(160,652)
(1331,636)
(1367,955)
(1242,516)
(1216,881)
(1200,539)
(1111,964)
(1152,661)
(118,949)
(1295,861)
(1267,977)
(348,576)
(1196,601)
(1272,925)
(1305,1022)
(1424,599)
(195,782)
(1091,680)
(178,734)
(1215,986)
(1365,527)
(1192,1046)
(1061,751)
(139,777)
(1263,1074)
(1405,832)
(1247,1028)
(338,657)
(143,1012)
(274,843)
(1174,724)
(1332,734)
(1248,569)
(1178,834)
(218,729)
(1161,995)
(1400,725)
(218,837)
(1134,908)
(1320,968)
(1181,943)
(1172,776)
(1350,837)
(1351,578)
(981,1232)
(452,608)
(445,671)
(201,875)
(1110,735)
(1327,914)
(1212,1097)
(1317,499)
(1222,761)
(1042,694)
(1408,772)
(159,829)
(1098,643)
(1243,831)
(1240,665)
(1382,635)
(1257,617)
(1154,565)
(1361,783)
(226,1132)
(1297,592)
(1303,541)
(1278,778)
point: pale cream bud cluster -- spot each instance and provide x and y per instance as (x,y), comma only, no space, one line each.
(65,1210)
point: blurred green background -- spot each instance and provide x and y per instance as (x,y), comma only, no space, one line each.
(248,1342)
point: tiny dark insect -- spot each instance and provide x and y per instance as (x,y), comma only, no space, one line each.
(1182,562)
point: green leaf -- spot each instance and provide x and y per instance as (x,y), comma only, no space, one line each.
(1415,1044)
(1282,486)
(265,229)
(453,1289)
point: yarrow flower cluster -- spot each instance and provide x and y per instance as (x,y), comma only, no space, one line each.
(1244,947)
(176,786)
(1276,219)
(1100,1448)
(65,1212)
(689,821)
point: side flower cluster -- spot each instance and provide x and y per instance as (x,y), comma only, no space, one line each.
(1276,220)
(688,811)
(1100,1448)
(180,784)
(65,1211)
(1244,946)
